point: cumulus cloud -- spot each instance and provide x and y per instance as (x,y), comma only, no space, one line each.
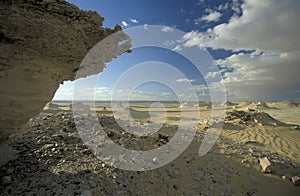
(270,30)
(211,75)
(223,7)
(213,16)
(125,24)
(133,20)
(262,76)
(235,6)
(266,25)
(185,80)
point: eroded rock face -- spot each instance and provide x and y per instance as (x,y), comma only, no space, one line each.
(42,43)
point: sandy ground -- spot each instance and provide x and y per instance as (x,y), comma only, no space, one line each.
(52,159)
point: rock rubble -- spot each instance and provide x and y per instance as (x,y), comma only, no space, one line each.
(52,159)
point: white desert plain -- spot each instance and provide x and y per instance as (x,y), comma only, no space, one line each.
(53,158)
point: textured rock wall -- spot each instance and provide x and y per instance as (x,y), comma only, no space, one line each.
(42,43)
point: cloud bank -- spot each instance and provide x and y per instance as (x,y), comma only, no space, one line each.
(269,30)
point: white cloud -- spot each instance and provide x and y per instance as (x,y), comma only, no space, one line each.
(263,75)
(223,7)
(125,24)
(212,16)
(211,75)
(185,80)
(177,48)
(264,25)
(200,88)
(270,29)
(134,20)
(235,6)
(167,29)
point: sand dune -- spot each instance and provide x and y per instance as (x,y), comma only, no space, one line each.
(281,140)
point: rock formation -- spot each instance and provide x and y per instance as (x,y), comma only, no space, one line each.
(42,43)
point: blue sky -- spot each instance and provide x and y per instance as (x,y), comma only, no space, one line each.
(254,43)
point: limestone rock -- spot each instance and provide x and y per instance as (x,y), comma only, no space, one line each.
(265,164)
(249,117)
(296,180)
(42,44)
(86,193)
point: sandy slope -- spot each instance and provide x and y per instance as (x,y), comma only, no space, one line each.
(282,140)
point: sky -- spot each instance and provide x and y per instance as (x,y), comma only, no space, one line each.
(254,44)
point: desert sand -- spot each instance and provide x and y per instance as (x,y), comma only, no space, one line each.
(52,159)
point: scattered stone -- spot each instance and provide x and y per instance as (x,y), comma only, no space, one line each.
(57,137)
(86,193)
(173,173)
(6,180)
(265,164)
(163,138)
(243,161)
(191,158)
(80,173)
(296,180)
(175,186)
(154,159)
(92,184)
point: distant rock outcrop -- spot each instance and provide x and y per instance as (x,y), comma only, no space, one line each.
(249,117)
(42,43)
(53,106)
(229,103)
(259,105)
